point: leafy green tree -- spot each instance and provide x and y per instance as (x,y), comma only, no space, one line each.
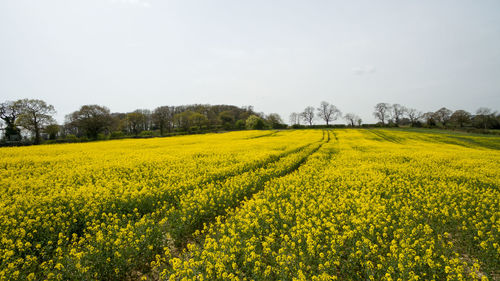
(136,122)
(182,120)
(35,115)
(119,123)
(275,121)
(429,119)
(254,122)
(443,115)
(90,120)
(52,130)
(460,117)
(163,118)
(359,121)
(9,112)
(197,119)
(227,119)
(240,125)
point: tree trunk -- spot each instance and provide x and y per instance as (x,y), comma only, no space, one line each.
(37,130)
(37,134)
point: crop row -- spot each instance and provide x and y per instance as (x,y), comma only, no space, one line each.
(86,212)
(384,206)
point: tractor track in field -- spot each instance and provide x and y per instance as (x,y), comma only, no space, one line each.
(263,136)
(179,250)
(383,136)
(174,195)
(289,171)
(141,205)
(221,178)
(177,242)
(180,247)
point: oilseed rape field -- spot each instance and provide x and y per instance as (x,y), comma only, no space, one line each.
(338,204)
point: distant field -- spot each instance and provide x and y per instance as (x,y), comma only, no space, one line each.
(346,204)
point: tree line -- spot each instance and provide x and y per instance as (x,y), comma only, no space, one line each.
(34,118)
(91,122)
(395,115)
(398,115)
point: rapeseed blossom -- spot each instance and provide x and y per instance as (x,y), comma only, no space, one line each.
(289,205)
(103,210)
(390,205)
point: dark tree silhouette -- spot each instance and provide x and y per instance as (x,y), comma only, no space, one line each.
(443,115)
(414,115)
(308,115)
(351,118)
(397,112)
(9,112)
(328,112)
(382,111)
(163,117)
(90,120)
(460,117)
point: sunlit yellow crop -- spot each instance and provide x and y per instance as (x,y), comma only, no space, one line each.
(367,204)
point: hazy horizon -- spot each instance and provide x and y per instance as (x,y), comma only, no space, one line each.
(278,56)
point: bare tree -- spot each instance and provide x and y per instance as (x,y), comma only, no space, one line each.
(359,121)
(35,115)
(294,118)
(460,117)
(308,115)
(414,115)
(382,111)
(397,112)
(351,118)
(328,112)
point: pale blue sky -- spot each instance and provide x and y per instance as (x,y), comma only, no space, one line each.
(279,56)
